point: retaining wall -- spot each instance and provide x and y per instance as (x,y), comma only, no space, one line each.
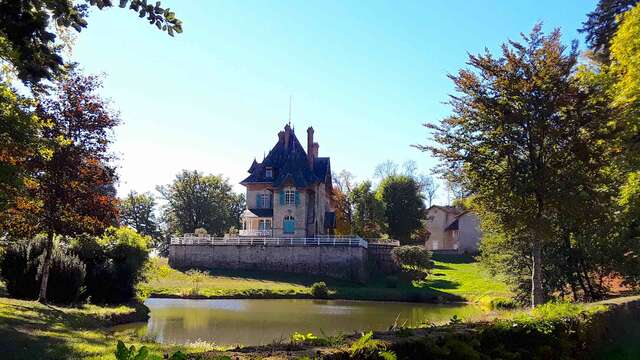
(341,262)
(380,260)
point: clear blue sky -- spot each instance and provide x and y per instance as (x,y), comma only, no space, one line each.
(365,75)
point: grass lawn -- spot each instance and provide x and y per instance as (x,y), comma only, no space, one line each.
(30,330)
(455,278)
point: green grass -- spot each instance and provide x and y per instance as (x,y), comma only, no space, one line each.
(460,275)
(455,278)
(30,330)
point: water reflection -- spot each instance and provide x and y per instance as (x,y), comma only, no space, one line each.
(251,322)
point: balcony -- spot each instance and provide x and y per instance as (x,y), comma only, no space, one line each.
(256,233)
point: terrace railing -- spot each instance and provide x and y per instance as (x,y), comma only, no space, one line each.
(190,239)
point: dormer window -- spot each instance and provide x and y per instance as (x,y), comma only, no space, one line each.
(269,172)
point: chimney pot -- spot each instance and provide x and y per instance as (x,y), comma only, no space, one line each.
(287,135)
(310,157)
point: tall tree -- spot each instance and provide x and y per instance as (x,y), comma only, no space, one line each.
(197,201)
(624,88)
(519,140)
(19,141)
(138,212)
(368,215)
(385,169)
(70,190)
(429,188)
(403,205)
(602,24)
(27,37)
(343,185)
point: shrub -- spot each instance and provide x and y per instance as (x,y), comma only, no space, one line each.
(503,304)
(124,353)
(20,271)
(19,268)
(370,349)
(115,263)
(200,232)
(412,257)
(66,277)
(320,290)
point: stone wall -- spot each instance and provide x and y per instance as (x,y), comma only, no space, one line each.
(379,258)
(341,262)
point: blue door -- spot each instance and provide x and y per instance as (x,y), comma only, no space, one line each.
(289,225)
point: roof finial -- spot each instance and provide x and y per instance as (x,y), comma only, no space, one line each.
(290,101)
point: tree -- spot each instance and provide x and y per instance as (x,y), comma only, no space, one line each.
(385,169)
(368,215)
(625,56)
(602,23)
(524,139)
(410,168)
(196,201)
(429,188)
(138,212)
(341,196)
(19,141)
(27,40)
(403,205)
(624,88)
(70,190)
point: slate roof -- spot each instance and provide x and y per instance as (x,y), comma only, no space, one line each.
(453,226)
(289,164)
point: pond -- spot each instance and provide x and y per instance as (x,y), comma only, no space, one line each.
(257,321)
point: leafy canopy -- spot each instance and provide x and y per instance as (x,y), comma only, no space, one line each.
(28,36)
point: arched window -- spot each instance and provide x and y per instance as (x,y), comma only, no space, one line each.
(288,225)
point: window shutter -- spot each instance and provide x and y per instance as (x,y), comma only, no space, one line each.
(258,201)
(281,197)
(297,198)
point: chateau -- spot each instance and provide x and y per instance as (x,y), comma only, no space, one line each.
(288,224)
(289,192)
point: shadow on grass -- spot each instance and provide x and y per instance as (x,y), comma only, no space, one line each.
(441,267)
(441,284)
(44,332)
(454,258)
(264,276)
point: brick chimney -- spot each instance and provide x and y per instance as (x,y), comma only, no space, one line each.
(287,135)
(281,137)
(310,156)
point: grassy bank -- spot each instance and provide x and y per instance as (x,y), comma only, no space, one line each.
(454,278)
(30,330)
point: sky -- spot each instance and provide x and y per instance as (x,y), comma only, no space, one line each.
(365,75)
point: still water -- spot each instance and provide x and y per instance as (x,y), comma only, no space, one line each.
(253,322)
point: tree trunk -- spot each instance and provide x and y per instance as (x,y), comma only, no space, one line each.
(46,266)
(537,293)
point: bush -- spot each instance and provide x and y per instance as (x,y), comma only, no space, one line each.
(115,263)
(320,290)
(20,269)
(412,257)
(368,348)
(66,277)
(503,304)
